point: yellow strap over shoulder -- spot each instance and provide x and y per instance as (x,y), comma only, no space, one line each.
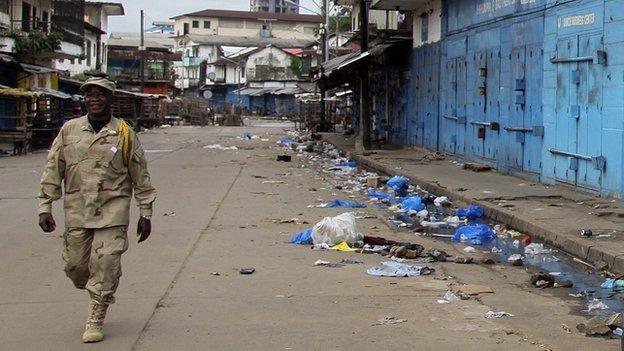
(124,136)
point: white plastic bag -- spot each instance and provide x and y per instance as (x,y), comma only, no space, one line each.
(334,230)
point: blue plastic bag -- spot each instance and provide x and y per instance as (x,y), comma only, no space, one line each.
(474,234)
(286,142)
(345,203)
(247,135)
(351,164)
(412,203)
(303,238)
(378,194)
(612,284)
(472,212)
(399,184)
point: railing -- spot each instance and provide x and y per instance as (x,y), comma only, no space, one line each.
(30,25)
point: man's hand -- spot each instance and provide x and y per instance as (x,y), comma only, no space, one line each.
(144,229)
(46,222)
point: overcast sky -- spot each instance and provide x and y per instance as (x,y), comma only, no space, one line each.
(156,10)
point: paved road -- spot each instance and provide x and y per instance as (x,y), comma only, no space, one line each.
(170,300)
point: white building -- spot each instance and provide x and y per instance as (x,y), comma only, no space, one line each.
(94,49)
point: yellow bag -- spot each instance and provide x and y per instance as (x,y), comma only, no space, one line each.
(124,137)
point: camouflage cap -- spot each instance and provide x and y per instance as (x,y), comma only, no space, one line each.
(100,82)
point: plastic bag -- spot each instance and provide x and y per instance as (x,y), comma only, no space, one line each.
(378,194)
(412,203)
(345,203)
(399,184)
(351,164)
(303,238)
(398,269)
(334,230)
(441,201)
(474,234)
(536,249)
(472,212)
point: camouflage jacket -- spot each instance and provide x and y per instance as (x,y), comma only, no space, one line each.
(98,181)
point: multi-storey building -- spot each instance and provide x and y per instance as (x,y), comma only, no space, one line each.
(275,6)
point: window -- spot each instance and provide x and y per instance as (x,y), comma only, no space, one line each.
(206,24)
(424,27)
(195,24)
(88,53)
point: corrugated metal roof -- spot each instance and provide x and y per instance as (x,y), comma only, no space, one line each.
(293,17)
(223,40)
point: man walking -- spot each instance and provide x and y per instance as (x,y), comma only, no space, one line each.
(100,161)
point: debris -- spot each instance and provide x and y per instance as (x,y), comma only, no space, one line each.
(470,249)
(334,230)
(499,314)
(396,269)
(351,261)
(586,233)
(475,167)
(441,201)
(399,184)
(564,284)
(515,257)
(612,283)
(215,273)
(342,203)
(474,234)
(449,297)
(372,182)
(542,280)
(412,203)
(328,264)
(247,271)
(169,214)
(596,304)
(496,250)
(594,326)
(303,237)
(343,246)
(284,158)
(470,289)
(536,249)
(472,212)
(487,260)
(220,147)
(463,260)
(389,320)
(615,320)
(566,329)
(273,182)
(438,254)
(378,194)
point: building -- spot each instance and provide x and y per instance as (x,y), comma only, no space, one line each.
(94,50)
(274,6)
(527,87)
(204,34)
(377,19)
(161,27)
(60,23)
(124,62)
(247,24)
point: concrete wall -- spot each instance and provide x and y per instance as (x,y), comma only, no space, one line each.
(432,10)
(270,63)
(245,27)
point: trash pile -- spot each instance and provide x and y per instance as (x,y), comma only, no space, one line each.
(411,208)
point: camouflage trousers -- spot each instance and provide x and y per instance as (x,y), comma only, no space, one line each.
(93,259)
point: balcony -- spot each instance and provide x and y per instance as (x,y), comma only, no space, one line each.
(188,61)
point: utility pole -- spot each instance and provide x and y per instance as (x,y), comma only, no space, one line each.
(325,54)
(142,52)
(365,125)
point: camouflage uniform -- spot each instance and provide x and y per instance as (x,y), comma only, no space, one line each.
(98,186)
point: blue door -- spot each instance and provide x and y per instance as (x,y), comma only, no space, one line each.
(453,128)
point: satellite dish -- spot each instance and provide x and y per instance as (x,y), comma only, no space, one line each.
(207,94)
(212,76)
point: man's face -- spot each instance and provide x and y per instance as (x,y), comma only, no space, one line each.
(98,100)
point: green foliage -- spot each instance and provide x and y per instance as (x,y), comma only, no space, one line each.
(36,42)
(295,66)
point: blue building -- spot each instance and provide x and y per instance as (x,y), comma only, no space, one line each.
(534,88)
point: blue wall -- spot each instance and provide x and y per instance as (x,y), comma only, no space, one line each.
(531,87)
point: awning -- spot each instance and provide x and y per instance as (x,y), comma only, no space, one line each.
(55,93)
(17,92)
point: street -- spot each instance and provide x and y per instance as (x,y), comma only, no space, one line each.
(220,210)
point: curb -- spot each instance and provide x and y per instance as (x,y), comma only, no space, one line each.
(579,247)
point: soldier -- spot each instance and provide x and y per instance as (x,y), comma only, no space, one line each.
(101,162)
